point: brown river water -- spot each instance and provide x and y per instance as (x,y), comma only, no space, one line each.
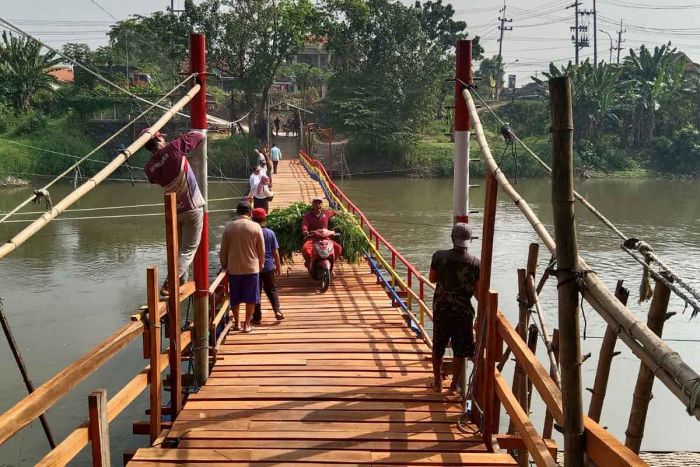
(77,281)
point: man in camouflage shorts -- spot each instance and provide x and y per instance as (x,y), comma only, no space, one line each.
(456,273)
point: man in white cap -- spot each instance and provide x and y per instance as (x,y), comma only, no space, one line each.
(456,273)
(169,168)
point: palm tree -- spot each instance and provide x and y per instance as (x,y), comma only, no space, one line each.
(23,69)
(654,77)
(596,94)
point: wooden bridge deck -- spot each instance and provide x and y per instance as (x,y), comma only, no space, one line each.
(341,381)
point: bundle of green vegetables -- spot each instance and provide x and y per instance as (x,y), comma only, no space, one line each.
(286,223)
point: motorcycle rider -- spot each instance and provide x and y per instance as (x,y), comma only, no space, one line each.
(317,218)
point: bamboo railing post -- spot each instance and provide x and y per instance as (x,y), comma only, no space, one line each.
(645,378)
(174,351)
(532,334)
(519,376)
(607,351)
(548,418)
(562,129)
(489,220)
(154,352)
(98,428)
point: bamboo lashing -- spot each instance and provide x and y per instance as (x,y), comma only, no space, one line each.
(669,367)
(26,233)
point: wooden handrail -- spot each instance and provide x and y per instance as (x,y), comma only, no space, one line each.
(601,446)
(79,438)
(217,282)
(535,445)
(38,402)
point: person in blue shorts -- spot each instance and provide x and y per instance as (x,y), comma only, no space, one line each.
(271,268)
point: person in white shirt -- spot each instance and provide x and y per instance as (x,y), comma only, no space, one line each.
(276,155)
(262,194)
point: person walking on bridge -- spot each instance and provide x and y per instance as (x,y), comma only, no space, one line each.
(271,268)
(456,273)
(169,167)
(276,155)
(242,256)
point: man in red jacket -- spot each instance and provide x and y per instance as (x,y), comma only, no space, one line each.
(169,168)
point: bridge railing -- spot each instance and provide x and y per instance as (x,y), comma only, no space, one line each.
(409,286)
(149,323)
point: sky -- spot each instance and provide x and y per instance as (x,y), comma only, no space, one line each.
(540,27)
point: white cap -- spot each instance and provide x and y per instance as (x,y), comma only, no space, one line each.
(461,234)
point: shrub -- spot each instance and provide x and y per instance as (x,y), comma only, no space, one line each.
(6,118)
(30,122)
(679,153)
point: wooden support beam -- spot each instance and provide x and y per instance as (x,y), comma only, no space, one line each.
(519,376)
(98,428)
(489,221)
(645,378)
(562,129)
(607,351)
(548,419)
(492,357)
(172,248)
(535,445)
(154,375)
(515,442)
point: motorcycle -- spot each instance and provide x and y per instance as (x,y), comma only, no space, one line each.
(320,266)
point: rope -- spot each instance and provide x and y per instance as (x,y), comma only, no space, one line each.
(103,144)
(690,295)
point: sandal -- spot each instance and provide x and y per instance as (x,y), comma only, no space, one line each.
(279,316)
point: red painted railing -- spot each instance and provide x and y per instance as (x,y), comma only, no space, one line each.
(411,270)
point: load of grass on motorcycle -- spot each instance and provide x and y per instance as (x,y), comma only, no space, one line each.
(286,223)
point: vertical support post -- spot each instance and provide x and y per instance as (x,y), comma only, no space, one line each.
(98,428)
(154,387)
(490,370)
(174,353)
(532,335)
(607,351)
(198,122)
(548,418)
(489,220)
(519,376)
(645,378)
(567,259)
(463,75)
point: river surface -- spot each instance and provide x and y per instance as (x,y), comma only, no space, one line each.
(77,281)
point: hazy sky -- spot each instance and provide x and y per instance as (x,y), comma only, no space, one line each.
(540,27)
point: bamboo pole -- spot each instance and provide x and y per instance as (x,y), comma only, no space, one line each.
(530,285)
(666,364)
(645,379)
(26,233)
(607,352)
(567,260)
(490,369)
(532,335)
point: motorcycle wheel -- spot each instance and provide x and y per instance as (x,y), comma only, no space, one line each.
(325,275)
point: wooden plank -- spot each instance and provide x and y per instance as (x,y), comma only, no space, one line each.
(352,445)
(98,428)
(328,415)
(362,406)
(175,355)
(535,446)
(155,387)
(396,437)
(46,395)
(516,442)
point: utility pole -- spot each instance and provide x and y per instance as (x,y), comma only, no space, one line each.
(595,35)
(580,32)
(612,47)
(619,41)
(502,27)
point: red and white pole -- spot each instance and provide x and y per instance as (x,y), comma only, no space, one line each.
(463,75)
(198,122)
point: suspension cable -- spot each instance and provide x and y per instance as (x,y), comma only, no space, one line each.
(692,297)
(12,244)
(103,144)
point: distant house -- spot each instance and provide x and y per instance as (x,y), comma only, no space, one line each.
(314,53)
(62,73)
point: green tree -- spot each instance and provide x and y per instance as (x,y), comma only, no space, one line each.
(23,70)
(490,69)
(654,77)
